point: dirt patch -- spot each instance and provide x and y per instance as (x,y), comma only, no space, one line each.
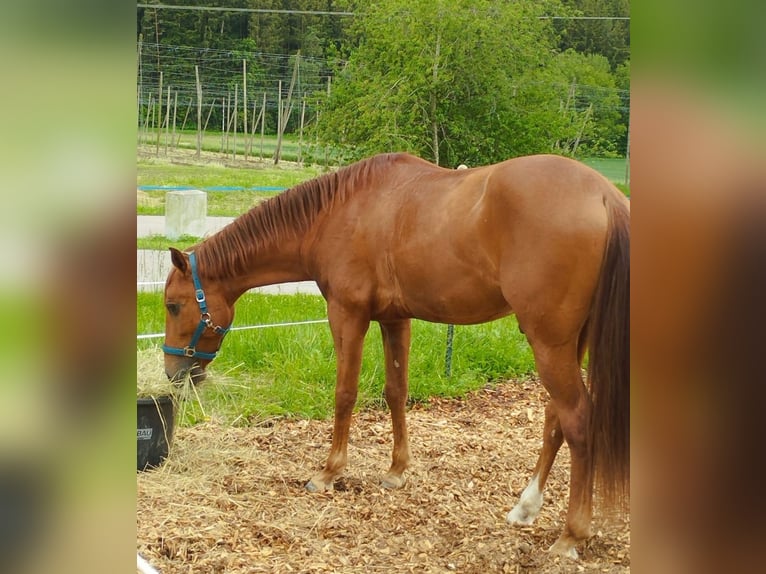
(232,499)
(188,156)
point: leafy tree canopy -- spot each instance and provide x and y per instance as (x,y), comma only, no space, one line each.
(466,81)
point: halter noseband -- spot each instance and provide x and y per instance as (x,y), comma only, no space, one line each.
(204,321)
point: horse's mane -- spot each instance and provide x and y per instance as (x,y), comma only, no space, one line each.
(283,217)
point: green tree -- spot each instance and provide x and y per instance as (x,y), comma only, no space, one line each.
(607,37)
(445,79)
(622,83)
(592,120)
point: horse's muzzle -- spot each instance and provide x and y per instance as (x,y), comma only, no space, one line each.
(177,374)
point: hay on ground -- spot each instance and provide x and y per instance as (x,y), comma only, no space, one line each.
(233,500)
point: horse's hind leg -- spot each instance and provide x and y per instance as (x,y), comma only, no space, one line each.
(560,374)
(531,500)
(396,347)
(528,507)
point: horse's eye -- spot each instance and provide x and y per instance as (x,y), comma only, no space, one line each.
(173,308)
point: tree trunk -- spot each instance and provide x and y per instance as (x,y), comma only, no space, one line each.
(434,122)
(199,112)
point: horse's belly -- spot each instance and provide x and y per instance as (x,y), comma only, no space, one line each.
(459,303)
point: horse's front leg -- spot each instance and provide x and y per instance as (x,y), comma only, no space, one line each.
(396,347)
(348,331)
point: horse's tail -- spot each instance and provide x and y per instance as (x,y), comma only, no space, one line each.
(609,364)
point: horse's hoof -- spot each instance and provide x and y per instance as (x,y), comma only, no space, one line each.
(315,485)
(564,547)
(392,481)
(520,516)
(528,506)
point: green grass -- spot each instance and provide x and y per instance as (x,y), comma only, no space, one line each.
(219,203)
(160,172)
(161,243)
(213,142)
(623,188)
(290,371)
(612,168)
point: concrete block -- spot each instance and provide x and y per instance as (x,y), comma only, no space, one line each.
(185,213)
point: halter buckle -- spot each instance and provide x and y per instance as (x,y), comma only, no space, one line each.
(189,351)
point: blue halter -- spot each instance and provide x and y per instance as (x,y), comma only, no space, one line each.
(204,321)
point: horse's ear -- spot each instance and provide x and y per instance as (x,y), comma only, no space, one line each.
(178,259)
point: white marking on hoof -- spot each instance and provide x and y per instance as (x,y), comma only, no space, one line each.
(528,506)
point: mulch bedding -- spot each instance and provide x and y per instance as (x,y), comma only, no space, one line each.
(232,499)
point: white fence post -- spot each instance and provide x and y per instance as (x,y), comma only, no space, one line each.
(185,213)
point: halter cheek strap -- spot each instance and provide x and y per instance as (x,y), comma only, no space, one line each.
(205,321)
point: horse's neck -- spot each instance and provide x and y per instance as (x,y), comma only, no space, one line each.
(277,262)
(260,263)
(269,243)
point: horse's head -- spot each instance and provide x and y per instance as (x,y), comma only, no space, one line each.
(197,316)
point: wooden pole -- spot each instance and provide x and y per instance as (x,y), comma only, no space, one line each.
(234,117)
(565,112)
(183,125)
(209,113)
(279,124)
(154,114)
(244,103)
(167,120)
(224,112)
(149,111)
(175,113)
(263,122)
(434,123)
(157,40)
(448,352)
(252,131)
(285,114)
(300,134)
(588,113)
(199,113)
(139,90)
(228,120)
(289,102)
(159,128)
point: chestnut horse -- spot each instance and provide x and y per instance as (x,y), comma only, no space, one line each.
(392,238)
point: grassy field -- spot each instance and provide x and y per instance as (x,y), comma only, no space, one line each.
(612,168)
(290,371)
(292,148)
(161,243)
(162,172)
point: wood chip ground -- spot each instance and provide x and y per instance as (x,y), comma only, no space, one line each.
(232,499)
